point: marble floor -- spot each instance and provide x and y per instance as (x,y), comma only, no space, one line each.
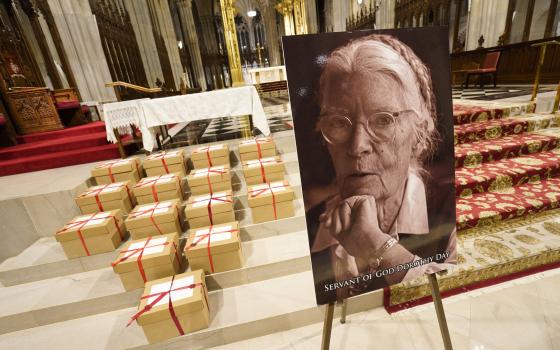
(523,314)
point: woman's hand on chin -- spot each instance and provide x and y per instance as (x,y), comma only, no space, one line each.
(353,223)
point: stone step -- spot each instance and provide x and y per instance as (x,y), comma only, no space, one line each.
(77,295)
(489,130)
(500,128)
(475,153)
(486,209)
(501,175)
(236,313)
(46,203)
(464,114)
(45,258)
(509,108)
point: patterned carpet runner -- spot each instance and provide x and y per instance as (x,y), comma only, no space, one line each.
(508,199)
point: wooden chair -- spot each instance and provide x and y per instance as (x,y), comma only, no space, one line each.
(489,66)
(33,110)
(68,107)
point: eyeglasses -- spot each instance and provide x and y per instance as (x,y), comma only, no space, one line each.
(338,128)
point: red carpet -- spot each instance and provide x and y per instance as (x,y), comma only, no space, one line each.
(502,175)
(470,114)
(55,149)
(472,154)
(503,172)
(489,130)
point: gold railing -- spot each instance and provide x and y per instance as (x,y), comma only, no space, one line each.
(121,84)
(542,54)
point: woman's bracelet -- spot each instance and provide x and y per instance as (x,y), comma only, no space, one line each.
(376,258)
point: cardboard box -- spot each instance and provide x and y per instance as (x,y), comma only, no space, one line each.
(256,148)
(271,201)
(117,171)
(215,248)
(158,188)
(258,171)
(166,162)
(92,234)
(189,302)
(154,219)
(132,176)
(148,259)
(106,197)
(209,156)
(209,180)
(209,209)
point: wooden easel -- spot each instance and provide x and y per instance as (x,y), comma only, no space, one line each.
(436,296)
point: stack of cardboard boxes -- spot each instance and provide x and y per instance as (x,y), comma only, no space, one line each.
(120,170)
(158,188)
(117,195)
(166,162)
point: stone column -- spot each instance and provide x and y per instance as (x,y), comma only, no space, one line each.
(189,30)
(487,18)
(81,41)
(141,23)
(339,15)
(287,10)
(165,22)
(300,17)
(311,16)
(230,37)
(385,15)
(272,38)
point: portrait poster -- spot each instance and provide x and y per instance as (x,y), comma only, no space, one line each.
(373,123)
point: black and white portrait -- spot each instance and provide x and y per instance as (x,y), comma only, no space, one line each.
(373,122)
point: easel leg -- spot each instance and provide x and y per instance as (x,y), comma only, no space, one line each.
(440,312)
(343,311)
(327,326)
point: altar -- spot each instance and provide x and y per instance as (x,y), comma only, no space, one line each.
(148,114)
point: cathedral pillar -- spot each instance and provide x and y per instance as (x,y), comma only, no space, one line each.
(230,38)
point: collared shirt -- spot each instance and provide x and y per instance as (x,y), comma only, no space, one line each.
(412,218)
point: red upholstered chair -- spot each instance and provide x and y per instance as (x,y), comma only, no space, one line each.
(489,66)
(68,107)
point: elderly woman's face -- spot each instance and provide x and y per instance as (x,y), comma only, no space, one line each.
(366,164)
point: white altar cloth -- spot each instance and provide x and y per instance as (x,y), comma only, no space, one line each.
(147,114)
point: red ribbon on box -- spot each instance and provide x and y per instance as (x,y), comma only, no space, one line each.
(161,156)
(162,295)
(138,213)
(207,151)
(256,193)
(96,192)
(80,225)
(110,164)
(213,171)
(258,143)
(141,250)
(208,235)
(153,183)
(262,163)
(209,206)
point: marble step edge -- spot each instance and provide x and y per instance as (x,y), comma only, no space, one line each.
(73,296)
(270,306)
(241,208)
(12,271)
(465,177)
(217,335)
